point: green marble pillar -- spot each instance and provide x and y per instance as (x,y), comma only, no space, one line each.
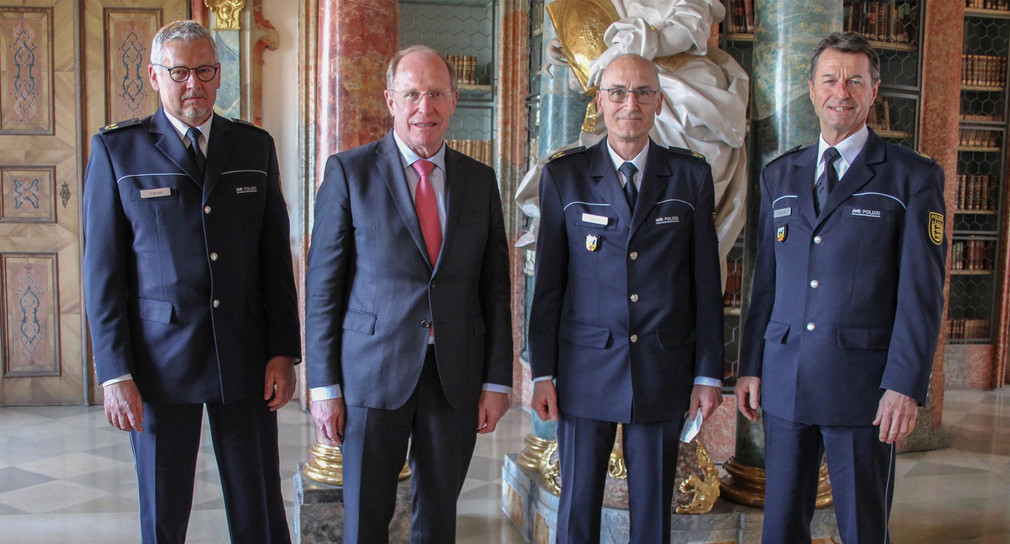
(782,117)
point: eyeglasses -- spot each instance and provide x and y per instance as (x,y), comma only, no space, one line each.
(414,97)
(620,94)
(180,74)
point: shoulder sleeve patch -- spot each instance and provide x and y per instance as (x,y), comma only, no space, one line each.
(567,152)
(120,124)
(687,153)
(248,124)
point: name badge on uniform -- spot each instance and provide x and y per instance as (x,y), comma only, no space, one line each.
(592,242)
(155,193)
(781,233)
(782,212)
(243,190)
(595,219)
(667,219)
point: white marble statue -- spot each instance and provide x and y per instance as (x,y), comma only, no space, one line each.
(705,100)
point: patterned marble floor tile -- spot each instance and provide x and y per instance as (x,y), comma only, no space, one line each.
(50,496)
(12,478)
(71,465)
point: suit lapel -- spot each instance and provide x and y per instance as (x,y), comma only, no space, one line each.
(603,174)
(167,140)
(654,179)
(217,153)
(858,174)
(455,190)
(802,182)
(390,165)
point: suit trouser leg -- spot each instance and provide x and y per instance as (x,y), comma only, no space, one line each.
(375,447)
(650,451)
(441,446)
(584,447)
(862,482)
(165,455)
(793,454)
(245,444)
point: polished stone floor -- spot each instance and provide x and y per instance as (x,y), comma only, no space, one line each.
(66,476)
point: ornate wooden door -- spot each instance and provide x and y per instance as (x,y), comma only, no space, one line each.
(55,93)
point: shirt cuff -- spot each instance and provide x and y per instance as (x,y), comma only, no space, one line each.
(542,378)
(704,380)
(117,379)
(496,388)
(326,392)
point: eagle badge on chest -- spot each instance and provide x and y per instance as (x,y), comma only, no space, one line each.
(781,233)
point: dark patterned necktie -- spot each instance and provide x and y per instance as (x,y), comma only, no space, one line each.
(630,191)
(828,179)
(193,135)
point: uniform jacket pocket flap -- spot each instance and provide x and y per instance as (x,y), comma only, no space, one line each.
(864,338)
(154,310)
(358,321)
(672,337)
(479,328)
(587,335)
(777,332)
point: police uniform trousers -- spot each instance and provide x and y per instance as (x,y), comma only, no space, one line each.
(244,434)
(650,454)
(861,469)
(441,441)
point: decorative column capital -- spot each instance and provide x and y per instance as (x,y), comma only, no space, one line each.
(226,13)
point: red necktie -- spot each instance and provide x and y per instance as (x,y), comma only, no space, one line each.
(427,210)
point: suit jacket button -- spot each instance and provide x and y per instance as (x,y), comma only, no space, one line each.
(216,303)
(811,326)
(634,297)
(818,239)
(206,210)
(213,256)
(634,338)
(425,323)
(815,284)
(633,256)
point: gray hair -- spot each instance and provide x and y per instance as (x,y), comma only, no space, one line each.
(186,31)
(847,42)
(395,62)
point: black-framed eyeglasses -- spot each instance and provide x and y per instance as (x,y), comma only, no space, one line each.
(620,94)
(180,74)
(414,97)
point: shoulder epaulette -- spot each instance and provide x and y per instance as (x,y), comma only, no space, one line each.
(119,124)
(915,153)
(567,152)
(687,153)
(248,124)
(790,152)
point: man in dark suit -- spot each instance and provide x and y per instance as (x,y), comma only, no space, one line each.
(845,313)
(408,327)
(627,312)
(190,294)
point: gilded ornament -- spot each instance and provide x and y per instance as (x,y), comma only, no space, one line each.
(704,489)
(226,12)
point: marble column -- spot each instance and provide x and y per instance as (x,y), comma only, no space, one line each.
(782,117)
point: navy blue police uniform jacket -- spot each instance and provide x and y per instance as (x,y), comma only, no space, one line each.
(627,308)
(188,280)
(848,303)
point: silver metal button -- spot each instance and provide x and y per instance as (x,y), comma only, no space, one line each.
(425,323)
(213,256)
(818,239)
(206,210)
(634,338)
(216,303)
(811,326)
(634,298)
(634,255)
(815,284)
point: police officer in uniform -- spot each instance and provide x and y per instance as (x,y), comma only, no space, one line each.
(627,312)
(190,294)
(845,313)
